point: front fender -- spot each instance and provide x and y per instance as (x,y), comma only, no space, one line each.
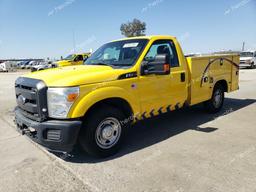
(84,104)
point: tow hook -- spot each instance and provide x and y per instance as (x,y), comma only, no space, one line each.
(28,130)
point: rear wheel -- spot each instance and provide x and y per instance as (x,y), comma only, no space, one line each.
(102,132)
(215,104)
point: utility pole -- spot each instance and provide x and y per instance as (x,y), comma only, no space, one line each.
(243,46)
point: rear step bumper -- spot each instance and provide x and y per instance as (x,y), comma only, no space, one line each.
(55,135)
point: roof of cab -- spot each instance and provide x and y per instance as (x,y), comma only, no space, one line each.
(147,37)
(87,53)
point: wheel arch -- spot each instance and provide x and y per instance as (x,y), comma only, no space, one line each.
(116,102)
(223,83)
(113,96)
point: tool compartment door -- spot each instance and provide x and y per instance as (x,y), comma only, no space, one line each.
(199,87)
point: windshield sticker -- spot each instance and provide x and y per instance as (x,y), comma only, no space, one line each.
(129,45)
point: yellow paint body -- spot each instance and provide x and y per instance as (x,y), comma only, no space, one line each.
(145,94)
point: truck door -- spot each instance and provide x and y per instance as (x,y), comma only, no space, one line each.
(161,93)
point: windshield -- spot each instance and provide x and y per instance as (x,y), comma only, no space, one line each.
(246,54)
(69,57)
(119,53)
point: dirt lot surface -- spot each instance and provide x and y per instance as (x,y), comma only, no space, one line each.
(186,150)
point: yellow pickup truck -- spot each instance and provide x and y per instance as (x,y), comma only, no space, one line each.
(72,59)
(124,81)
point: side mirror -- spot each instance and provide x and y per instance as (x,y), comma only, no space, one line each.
(85,58)
(159,66)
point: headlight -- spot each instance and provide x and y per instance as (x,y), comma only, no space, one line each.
(60,100)
(248,61)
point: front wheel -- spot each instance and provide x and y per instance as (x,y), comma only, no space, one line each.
(215,104)
(102,132)
(253,66)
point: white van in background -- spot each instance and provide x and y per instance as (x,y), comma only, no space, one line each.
(7,66)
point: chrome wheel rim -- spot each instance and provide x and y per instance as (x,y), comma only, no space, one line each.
(217,100)
(108,133)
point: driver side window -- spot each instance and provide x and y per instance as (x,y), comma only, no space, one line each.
(79,58)
(163,47)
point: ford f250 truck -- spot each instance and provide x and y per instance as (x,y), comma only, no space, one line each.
(73,59)
(124,81)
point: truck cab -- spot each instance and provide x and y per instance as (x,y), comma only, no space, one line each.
(73,59)
(123,82)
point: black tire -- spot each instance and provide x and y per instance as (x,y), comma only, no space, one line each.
(215,104)
(253,66)
(92,134)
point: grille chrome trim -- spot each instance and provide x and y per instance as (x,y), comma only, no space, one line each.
(33,94)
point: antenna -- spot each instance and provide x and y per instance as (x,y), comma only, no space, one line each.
(74,41)
(243,46)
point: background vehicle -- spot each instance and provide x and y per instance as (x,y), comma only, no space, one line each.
(248,59)
(73,59)
(18,65)
(24,64)
(30,64)
(42,66)
(124,81)
(7,66)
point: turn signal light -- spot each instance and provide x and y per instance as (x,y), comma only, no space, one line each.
(72,97)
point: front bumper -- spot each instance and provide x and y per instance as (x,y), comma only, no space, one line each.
(55,135)
(244,64)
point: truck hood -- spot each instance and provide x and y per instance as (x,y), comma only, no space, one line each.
(245,58)
(76,75)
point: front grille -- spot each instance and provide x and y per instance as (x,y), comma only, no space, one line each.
(31,98)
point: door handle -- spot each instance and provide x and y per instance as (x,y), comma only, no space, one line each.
(183,77)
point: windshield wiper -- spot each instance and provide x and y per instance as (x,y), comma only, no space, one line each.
(122,65)
(111,65)
(101,64)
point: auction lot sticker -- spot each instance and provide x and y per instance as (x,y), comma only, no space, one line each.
(129,45)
